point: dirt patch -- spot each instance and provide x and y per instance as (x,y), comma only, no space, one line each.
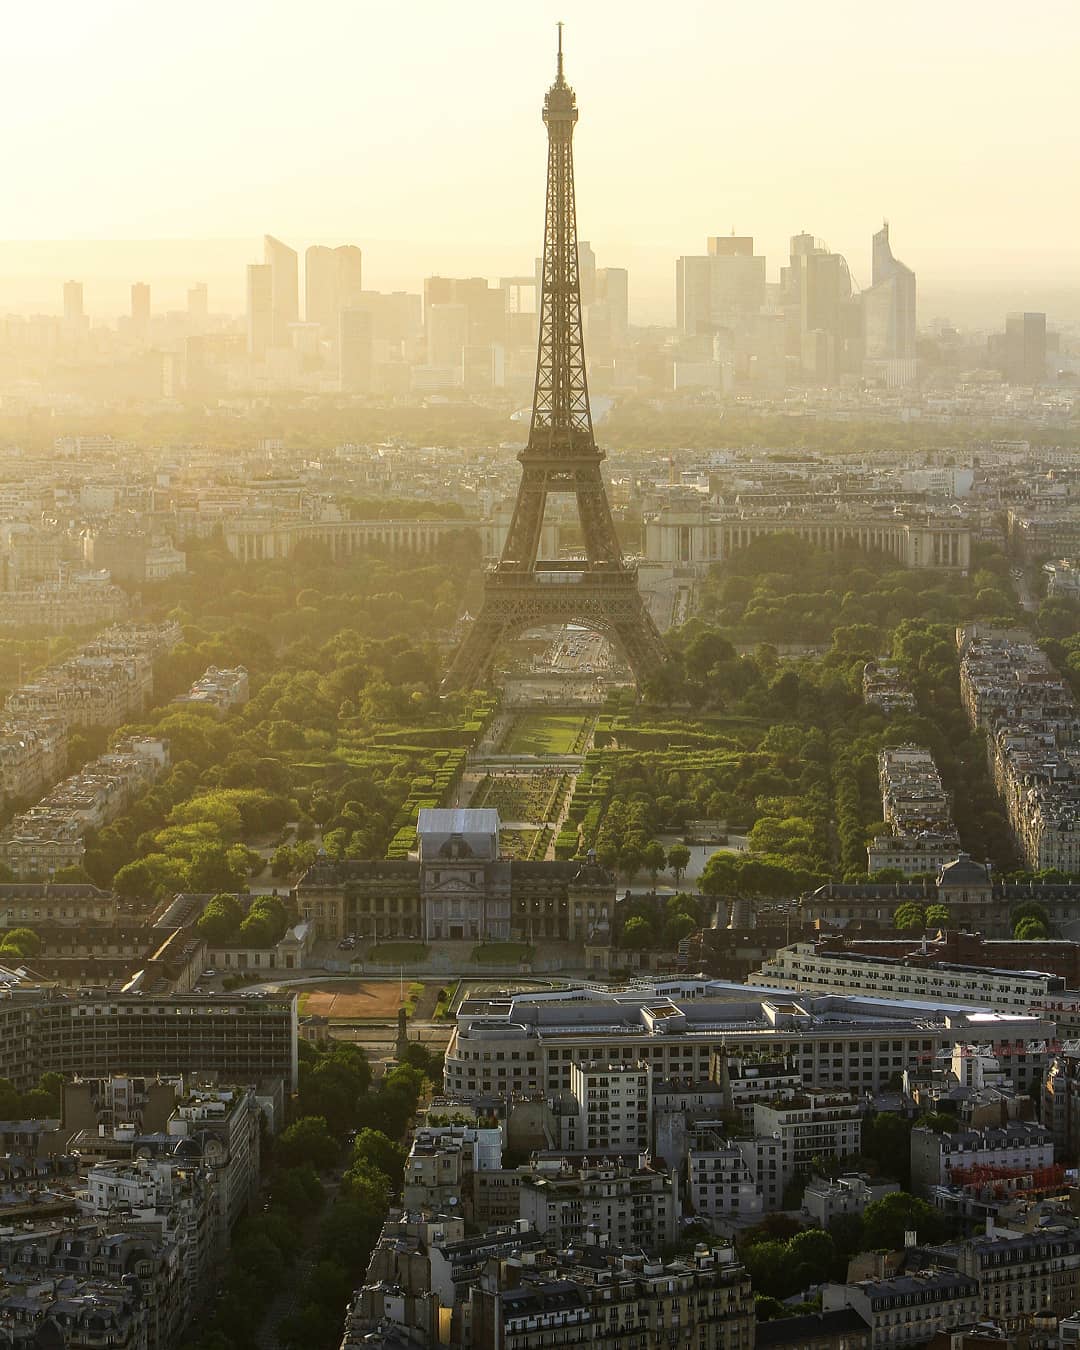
(354,1000)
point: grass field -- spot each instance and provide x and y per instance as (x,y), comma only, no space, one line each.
(502,953)
(544,734)
(399,953)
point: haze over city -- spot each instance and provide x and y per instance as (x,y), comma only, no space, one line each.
(412,130)
(540,677)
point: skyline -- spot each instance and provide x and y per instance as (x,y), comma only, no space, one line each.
(772,146)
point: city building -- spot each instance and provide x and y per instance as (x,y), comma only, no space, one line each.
(333,282)
(1025,348)
(888,310)
(825,1198)
(718,288)
(222,1037)
(634,1204)
(140,309)
(284,288)
(521,1042)
(948,1157)
(260,310)
(909,1308)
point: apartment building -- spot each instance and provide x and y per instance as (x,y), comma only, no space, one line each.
(910,1308)
(723,1183)
(38,842)
(1022,1276)
(819,1123)
(1012,692)
(634,1205)
(825,1198)
(946,1158)
(614,1103)
(219,690)
(827,966)
(598,1296)
(915,805)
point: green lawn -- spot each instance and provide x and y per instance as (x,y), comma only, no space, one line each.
(399,953)
(502,953)
(544,734)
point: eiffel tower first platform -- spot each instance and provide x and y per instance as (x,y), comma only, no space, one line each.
(599,592)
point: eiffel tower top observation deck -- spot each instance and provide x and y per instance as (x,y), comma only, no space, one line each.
(600,591)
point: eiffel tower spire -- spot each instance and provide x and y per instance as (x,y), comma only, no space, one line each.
(561,456)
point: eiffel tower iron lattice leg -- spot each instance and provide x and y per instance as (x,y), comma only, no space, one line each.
(600,592)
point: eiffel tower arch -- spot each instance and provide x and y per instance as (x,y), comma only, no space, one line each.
(522,591)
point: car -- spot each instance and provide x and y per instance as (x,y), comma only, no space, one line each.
(209,974)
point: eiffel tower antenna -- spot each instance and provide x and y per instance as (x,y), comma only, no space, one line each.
(522,591)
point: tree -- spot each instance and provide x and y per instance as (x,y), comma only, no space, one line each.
(886,1138)
(885,1221)
(637,934)
(220,921)
(909,916)
(938,916)
(308,1140)
(1029,930)
(678,856)
(677,927)
(654,859)
(376,1150)
(21,941)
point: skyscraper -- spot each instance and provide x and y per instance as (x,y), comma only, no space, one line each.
(284,287)
(726,284)
(1025,348)
(73,303)
(260,309)
(486,305)
(198,302)
(587,272)
(889,305)
(333,281)
(613,290)
(447,334)
(355,334)
(140,308)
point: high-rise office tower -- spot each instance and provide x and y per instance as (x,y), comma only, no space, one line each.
(198,301)
(355,341)
(613,290)
(284,287)
(486,305)
(587,272)
(889,305)
(140,308)
(73,303)
(333,281)
(715,290)
(395,315)
(260,309)
(1025,348)
(447,334)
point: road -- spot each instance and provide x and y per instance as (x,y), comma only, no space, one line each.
(1028,599)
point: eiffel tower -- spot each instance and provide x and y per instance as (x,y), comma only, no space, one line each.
(522,592)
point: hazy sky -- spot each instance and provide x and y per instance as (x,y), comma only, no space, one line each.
(417,122)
